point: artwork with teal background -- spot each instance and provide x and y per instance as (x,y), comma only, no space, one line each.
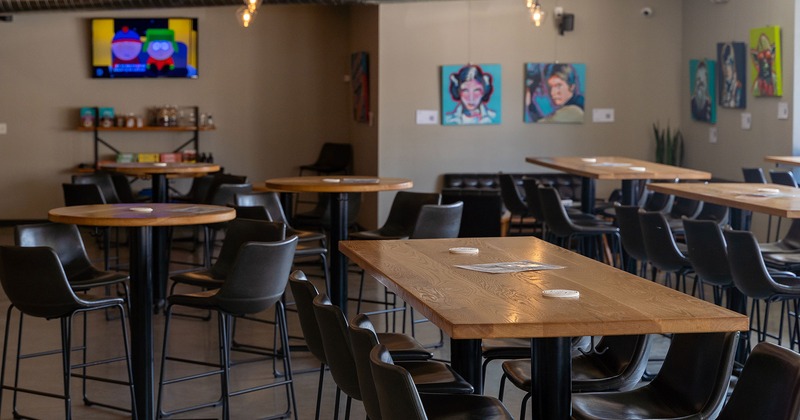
(703,79)
(471,94)
(554,92)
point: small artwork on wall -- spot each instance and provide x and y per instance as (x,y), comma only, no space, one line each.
(554,92)
(765,54)
(732,67)
(471,94)
(702,75)
(359,81)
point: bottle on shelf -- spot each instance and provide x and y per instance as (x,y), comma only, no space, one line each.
(210,158)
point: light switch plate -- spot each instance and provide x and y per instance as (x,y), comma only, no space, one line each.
(3,128)
(747,120)
(603,115)
(427,116)
(783,110)
(712,135)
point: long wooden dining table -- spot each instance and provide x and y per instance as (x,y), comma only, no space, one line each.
(624,169)
(470,305)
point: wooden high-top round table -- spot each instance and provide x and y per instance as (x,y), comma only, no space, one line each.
(159,172)
(143,252)
(338,187)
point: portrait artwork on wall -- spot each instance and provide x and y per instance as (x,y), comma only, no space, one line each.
(359,81)
(471,94)
(765,54)
(732,67)
(702,74)
(554,92)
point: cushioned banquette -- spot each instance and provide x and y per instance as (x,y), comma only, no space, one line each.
(483,205)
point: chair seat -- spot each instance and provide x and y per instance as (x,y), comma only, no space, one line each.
(456,407)
(200,278)
(304,250)
(436,377)
(95,278)
(583,370)
(779,247)
(506,348)
(306,235)
(642,403)
(201,300)
(403,347)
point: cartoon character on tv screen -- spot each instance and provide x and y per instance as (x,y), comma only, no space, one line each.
(126,47)
(160,46)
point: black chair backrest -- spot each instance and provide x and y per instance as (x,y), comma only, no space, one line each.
(630,231)
(404,212)
(792,237)
(714,212)
(768,387)
(754,175)
(555,216)
(336,341)
(241,231)
(102,180)
(397,394)
(697,370)
(747,266)
(659,202)
(225,194)
(335,157)
(214,183)
(201,186)
(783,178)
(531,186)
(122,187)
(481,215)
(685,207)
(511,196)
(252,212)
(82,194)
(64,239)
(363,339)
(304,293)
(708,252)
(438,221)
(322,210)
(35,282)
(271,202)
(258,277)
(662,251)
(624,359)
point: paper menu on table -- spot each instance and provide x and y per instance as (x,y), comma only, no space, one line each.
(509,267)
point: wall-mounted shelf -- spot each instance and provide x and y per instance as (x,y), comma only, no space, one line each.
(194,141)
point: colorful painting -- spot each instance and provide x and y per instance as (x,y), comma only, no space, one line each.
(732,67)
(359,81)
(554,92)
(471,94)
(765,53)
(702,74)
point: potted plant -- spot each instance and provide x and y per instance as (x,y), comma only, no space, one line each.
(669,145)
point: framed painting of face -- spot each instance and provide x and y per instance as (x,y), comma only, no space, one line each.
(554,92)
(471,94)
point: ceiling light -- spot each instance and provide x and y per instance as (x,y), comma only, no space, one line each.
(245,16)
(537,13)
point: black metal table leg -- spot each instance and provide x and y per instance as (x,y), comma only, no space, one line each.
(465,357)
(339,222)
(587,195)
(629,187)
(551,371)
(160,245)
(141,319)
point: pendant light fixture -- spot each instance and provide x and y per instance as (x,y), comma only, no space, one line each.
(245,14)
(536,11)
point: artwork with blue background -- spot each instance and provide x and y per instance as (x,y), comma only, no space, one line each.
(471,94)
(702,76)
(554,92)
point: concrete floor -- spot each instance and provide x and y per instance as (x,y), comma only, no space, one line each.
(199,339)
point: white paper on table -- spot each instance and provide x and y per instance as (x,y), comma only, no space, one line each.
(509,267)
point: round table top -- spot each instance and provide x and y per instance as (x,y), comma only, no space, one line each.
(162,214)
(147,168)
(337,184)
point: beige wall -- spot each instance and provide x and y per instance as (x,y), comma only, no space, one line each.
(634,65)
(705,24)
(276,91)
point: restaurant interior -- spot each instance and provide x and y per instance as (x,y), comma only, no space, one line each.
(284,86)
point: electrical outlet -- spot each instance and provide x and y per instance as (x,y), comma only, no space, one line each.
(427,116)
(747,120)
(3,128)
(783,110)
(603,115)
(712,135)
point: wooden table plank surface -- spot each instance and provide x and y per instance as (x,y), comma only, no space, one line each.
(784,160)
(469,305)
(616,168)
(752,197)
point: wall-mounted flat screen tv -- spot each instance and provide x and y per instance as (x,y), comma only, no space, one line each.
(136,47)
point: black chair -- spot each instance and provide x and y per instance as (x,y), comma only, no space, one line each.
(683,208)
(85,195)
(663,252)
(333,158)
(630,232)
(768,387)
(256,282)
(790,243)
(617,363)
(692,383)
(514,202)
(565,231)
(123,188)
(102,180)
(35,283)
(271,203)
(482,214)
(707,252)
(782,178)
(399,399)
(429,376)
(751,277)
(198,191)
(66,241)
(319,218)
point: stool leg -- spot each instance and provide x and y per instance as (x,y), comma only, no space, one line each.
(5,353)
(319,389)
(16,372)
(168,314)
(66,347)
(224,353)
(280,315)
(124,324)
